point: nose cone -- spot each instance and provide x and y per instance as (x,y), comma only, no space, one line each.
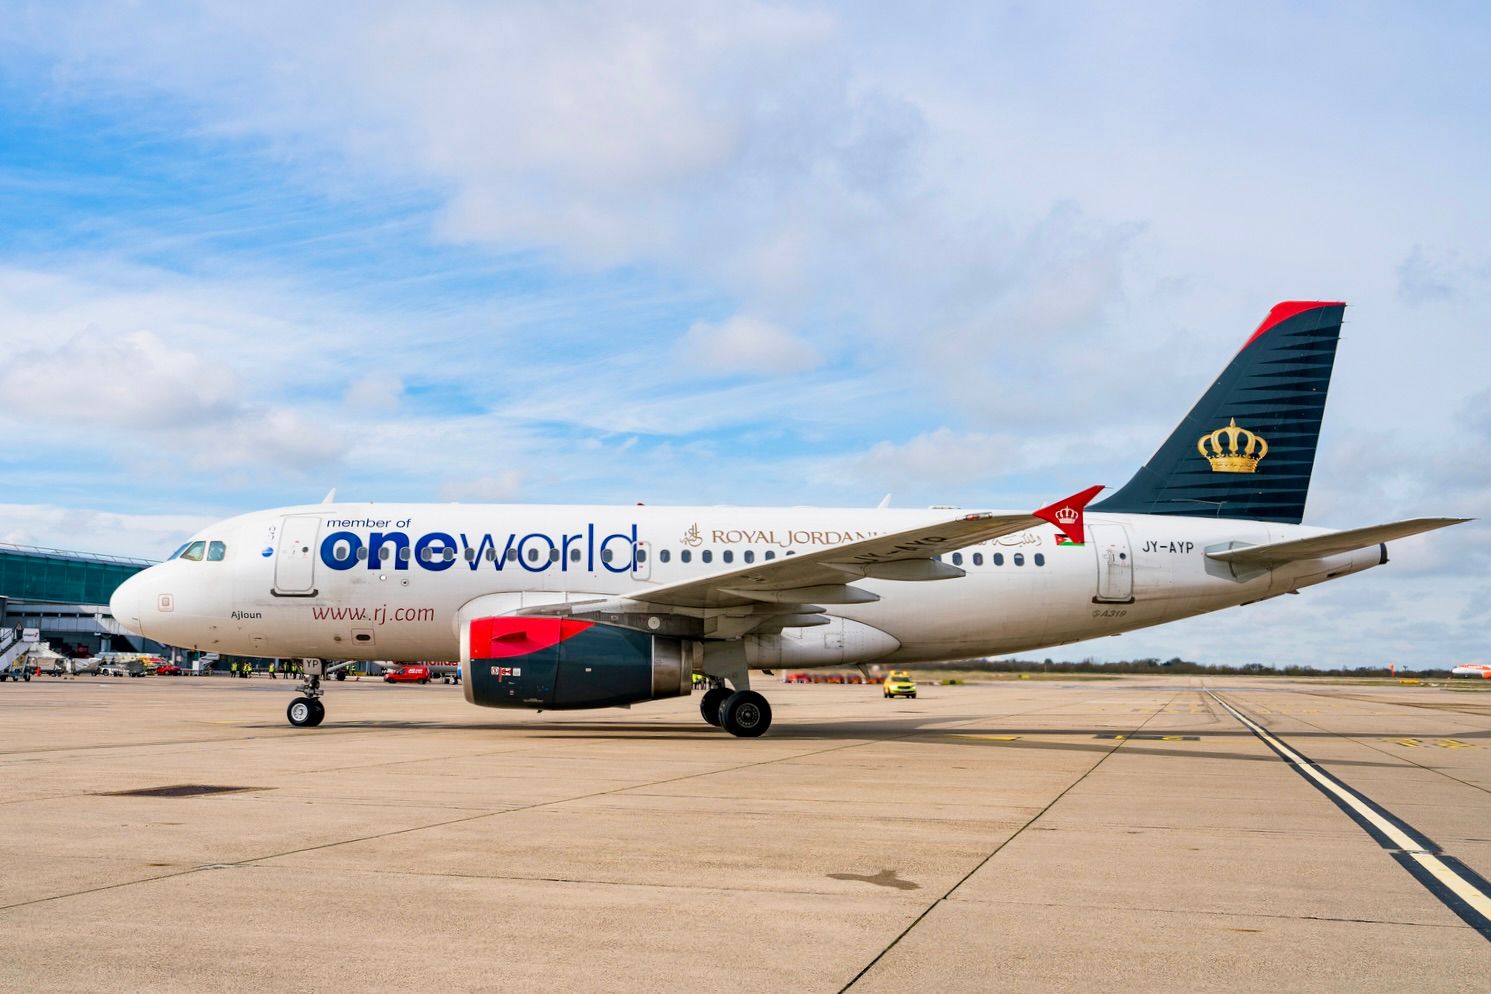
(126,602)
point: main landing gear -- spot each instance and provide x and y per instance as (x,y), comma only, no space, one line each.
(307,711)
(743,713)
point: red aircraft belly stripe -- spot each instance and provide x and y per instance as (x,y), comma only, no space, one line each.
(504,638)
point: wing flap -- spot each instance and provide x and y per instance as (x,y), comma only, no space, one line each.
(1335,543)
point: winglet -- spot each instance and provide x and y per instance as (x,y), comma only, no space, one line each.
(1067,514)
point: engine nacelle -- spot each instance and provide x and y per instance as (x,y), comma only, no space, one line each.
(560,663)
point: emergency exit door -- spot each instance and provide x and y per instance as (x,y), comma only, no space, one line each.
(295,557)
(1115,563)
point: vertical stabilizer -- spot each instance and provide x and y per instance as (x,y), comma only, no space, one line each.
(1247,448)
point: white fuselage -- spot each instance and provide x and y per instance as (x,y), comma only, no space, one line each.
(285,584)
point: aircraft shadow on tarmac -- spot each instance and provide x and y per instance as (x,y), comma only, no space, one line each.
(943,729)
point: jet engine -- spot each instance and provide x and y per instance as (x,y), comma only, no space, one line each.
(561,663)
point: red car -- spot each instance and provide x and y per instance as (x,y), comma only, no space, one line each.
(168,669)
(408,674)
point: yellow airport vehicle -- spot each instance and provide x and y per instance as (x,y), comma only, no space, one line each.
(899,684)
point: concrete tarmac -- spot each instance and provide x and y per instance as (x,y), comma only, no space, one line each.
(1034,835)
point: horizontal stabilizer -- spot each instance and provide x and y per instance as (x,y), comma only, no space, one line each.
(1332,544)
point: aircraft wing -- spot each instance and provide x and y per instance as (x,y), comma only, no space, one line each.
(1332,544)
(789,592)
(824,576)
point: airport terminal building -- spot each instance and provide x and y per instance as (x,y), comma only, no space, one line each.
(66,596)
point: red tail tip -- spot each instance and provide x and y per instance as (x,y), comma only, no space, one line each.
(1286,309)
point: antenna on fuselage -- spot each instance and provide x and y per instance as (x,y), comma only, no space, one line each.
(884,503)
(331,496)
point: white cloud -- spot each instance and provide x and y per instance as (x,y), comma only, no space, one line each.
(744,344)
(374,392)
(134,379)
(941,456)
(148,536)
(500,486)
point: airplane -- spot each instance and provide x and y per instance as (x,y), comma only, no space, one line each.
(566,607)
(1482,670)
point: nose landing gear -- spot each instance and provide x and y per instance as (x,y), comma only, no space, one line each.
(307,711)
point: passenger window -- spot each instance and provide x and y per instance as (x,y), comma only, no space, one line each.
(362,553)
(470,554)
(685,555)
(978,559)
(574,555)
(750,556)
(641,556)
(1040,559)
(533,555)
(385,553)
(607,555)
(998,559)
(553,555)
(404,554)
(957,559)
(512,555)
(450,555)
(771,554)
(664,555)
(1019,559)
(491,554)
(728,556)
(216,551)
(196,549)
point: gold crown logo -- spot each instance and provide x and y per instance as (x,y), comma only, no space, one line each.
(1233,458)
(1066,515)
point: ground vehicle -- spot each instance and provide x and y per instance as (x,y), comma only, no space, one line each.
(408,674)
(899,684)
(168,669)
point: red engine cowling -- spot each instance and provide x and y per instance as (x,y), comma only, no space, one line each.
(560,663)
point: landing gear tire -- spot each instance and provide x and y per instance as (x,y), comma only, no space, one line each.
(341,674)
(305,712)
(745,714)
(709,704)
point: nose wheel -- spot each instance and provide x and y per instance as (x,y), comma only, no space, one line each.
(305,712)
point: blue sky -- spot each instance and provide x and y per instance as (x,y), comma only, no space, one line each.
(744,253)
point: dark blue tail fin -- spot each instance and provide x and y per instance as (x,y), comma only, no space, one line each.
(1247,448)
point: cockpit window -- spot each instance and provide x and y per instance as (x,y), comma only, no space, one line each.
(216,551)
(194,551)
(179,550)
